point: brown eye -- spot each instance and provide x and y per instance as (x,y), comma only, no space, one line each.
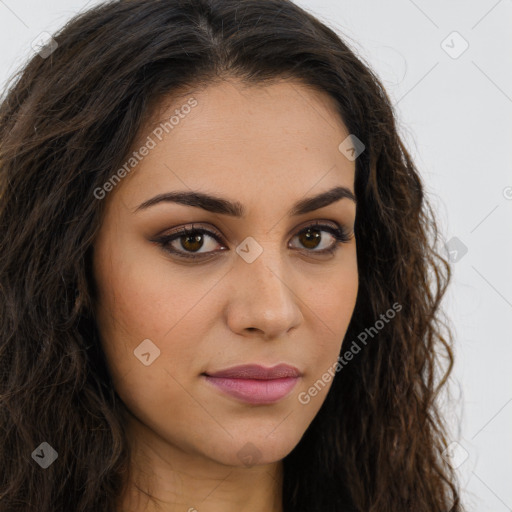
(192,242)
(311,238)
(187,243)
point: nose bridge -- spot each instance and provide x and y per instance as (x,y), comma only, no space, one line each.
(264,299)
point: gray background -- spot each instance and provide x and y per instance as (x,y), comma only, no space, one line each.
(454,110)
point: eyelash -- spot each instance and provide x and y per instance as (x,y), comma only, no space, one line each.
(340,235)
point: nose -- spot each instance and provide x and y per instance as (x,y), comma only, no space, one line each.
(263,300)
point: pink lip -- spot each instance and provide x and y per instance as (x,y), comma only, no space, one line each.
(256,384)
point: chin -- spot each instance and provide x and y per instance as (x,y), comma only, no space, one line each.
(249,451)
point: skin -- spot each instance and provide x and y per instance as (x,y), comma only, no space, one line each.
(266,147)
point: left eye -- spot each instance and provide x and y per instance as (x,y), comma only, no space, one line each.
(193,239)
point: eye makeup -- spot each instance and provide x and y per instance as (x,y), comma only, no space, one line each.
(192,239)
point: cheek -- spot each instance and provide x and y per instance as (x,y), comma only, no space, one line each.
(137,304)
(143,298)
(334,295)
(331,306)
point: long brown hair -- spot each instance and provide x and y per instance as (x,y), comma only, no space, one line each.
(67,122)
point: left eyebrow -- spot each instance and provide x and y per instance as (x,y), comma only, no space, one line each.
(236,209)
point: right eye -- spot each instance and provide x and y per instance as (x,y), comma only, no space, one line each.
(187,242)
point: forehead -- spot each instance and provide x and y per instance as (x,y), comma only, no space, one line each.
(257,138)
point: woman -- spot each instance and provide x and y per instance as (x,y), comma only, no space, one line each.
(216,273)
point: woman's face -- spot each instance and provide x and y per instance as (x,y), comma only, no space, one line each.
(253,288)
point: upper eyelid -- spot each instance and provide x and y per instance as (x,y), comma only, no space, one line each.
(193,227)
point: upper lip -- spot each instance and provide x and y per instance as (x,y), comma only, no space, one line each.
(256,371)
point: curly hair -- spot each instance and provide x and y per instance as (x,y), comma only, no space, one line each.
(67,122)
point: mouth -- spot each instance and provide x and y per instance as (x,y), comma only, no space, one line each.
(255,384)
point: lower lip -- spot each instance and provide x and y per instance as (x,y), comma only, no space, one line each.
(255,391)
